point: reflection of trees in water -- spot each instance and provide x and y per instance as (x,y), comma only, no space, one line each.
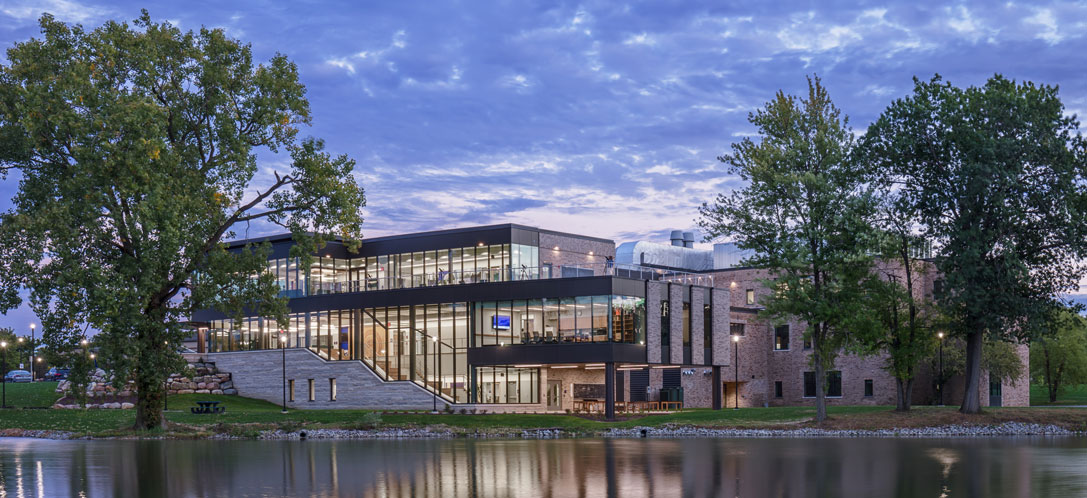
(549,468)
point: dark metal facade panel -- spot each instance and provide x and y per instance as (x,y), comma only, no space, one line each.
(550,354)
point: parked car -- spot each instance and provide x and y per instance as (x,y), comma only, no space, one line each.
(17,376)
(56,374)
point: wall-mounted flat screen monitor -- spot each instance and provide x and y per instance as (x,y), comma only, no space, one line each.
(500,322)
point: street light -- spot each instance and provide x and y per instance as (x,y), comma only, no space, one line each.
(283,350)
(4,367)
(33,349)
(940,383)
(736,363)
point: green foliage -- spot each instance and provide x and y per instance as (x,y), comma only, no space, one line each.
(805,213)
(13,352)
(994,175)
(999,358)
(1058,354)
(137,147)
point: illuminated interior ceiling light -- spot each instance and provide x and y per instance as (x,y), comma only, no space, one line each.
(563,366)
(594,368)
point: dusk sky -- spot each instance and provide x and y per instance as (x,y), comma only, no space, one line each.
(594,117)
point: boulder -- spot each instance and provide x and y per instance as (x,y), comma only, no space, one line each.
(203,391)
(185,391)
(231,391)
(227,384)
(216,391)
(202,385)
(213,385)
(127,406)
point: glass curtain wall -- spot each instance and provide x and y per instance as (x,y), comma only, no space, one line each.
(467,265)
(554,320)
(426,344)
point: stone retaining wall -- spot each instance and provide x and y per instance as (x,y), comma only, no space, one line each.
(259,374)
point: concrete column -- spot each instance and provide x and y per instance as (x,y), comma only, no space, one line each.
(308,329)
(716,387)
(609,390)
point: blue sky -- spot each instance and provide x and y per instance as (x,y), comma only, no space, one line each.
(591,117)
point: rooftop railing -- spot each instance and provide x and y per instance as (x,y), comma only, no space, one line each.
(387,282)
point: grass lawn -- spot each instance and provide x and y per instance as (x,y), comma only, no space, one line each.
(31,394)
(1072,395)
(246,417)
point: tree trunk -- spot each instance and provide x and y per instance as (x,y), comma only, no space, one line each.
(820,384)
(149,397)
(971,399)
(909,394)
(901,403)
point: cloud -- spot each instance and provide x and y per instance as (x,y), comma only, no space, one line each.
(64,10)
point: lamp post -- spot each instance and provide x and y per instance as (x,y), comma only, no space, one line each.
(435,361)
(166,386)
(283,351)
(736,364)
(940,381)
(4,368)
(33,349)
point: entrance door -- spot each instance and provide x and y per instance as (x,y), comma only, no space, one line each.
(554,395)
(995,393)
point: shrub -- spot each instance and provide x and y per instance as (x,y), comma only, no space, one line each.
(369,420)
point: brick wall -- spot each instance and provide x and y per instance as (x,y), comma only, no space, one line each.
(653,292)
(574,251)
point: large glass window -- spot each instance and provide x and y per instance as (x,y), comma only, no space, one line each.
(567,320)
(502,385)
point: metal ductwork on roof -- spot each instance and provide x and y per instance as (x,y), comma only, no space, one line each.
(677,238)
(664,256)
(688,239)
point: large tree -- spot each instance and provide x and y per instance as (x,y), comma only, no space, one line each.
(805,213)
(995,174)
(137,151)
(1058,352)
(900,317)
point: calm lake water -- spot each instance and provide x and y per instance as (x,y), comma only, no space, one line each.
(991,467)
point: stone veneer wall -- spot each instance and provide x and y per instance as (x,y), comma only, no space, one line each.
(653,292)
(722,345)
(675,322)
(698,351)
(258,374)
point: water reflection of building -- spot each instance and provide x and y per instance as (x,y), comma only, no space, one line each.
(628,468)
(508,317)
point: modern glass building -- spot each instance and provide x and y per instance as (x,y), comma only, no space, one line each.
(503,314)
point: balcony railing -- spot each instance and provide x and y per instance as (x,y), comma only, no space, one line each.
(502,275)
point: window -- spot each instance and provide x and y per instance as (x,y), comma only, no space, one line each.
(937,290)
(290,390)
(778,389)
(707,326)
(332,389)
(666,329)
(750,296)
(833,384)
(312,391)
(686,325)
(781,338)
(807,341)
(736,329)
(867,388)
